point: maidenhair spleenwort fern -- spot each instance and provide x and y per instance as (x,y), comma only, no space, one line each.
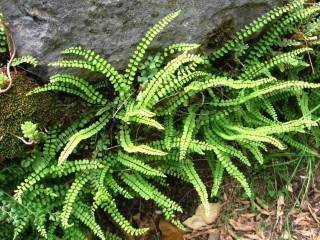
(131,139)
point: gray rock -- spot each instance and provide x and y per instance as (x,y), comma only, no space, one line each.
(113,28)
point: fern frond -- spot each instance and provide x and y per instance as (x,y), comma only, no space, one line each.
(128,146)
(294,125)
(223,81)
(74,85)
(83,213)
(112,184)
(254,150)
(217,170)
(147,191)
(143,45)
(169,131)
(3,38)
(137,165)
(146,121)
(82,84)
(54,171)
(83,134)
(141,112)
(179,47)
(96,63)
(24,59)
(197,183)
(276,30)
(297,144)
(108,204)
(71,196)
(260,68)
(255,26)
(268,107)
(158,84)
(187,132)
(233,170)
(268,91)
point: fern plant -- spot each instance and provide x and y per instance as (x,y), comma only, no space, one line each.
(130,139)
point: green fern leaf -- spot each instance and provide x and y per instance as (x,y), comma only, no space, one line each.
(138,165)
(143,45)
(81,135)
(71,197)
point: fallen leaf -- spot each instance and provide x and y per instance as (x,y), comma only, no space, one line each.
(241,227)
(316,194)
(247,215)
(170,231)
(302,214)
(264,212)
(304,223)
(293,211)
(281,200)
(264,206)
(200,219)
(214,212)
(313,214)
(194,222)
(280,213)
(90,236)
(304,205)
(252,236)
(215,235)
(297,220)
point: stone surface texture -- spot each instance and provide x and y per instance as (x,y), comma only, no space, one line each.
(113,28)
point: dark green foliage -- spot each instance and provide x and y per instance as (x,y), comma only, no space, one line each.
(3,41)
(128,143)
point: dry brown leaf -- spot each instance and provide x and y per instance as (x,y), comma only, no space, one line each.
(302,214)
(247,215)
(214,235)
(304,233)
(244,201)
(297,220)
(281,200)
(194,222)
(214,212)
(90,236)
(316,194)
(304,205)
(304,223)
(280,213)
(313,214)
(241,227)
(293,211)
(264,206)
(252,236)
(170,231)
(200,219)
(258,218)
(264,212)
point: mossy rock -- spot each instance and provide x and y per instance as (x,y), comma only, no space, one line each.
(44,109)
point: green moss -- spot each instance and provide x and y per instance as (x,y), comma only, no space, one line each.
(44,109)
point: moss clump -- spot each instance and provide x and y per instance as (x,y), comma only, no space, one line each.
(15,108)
